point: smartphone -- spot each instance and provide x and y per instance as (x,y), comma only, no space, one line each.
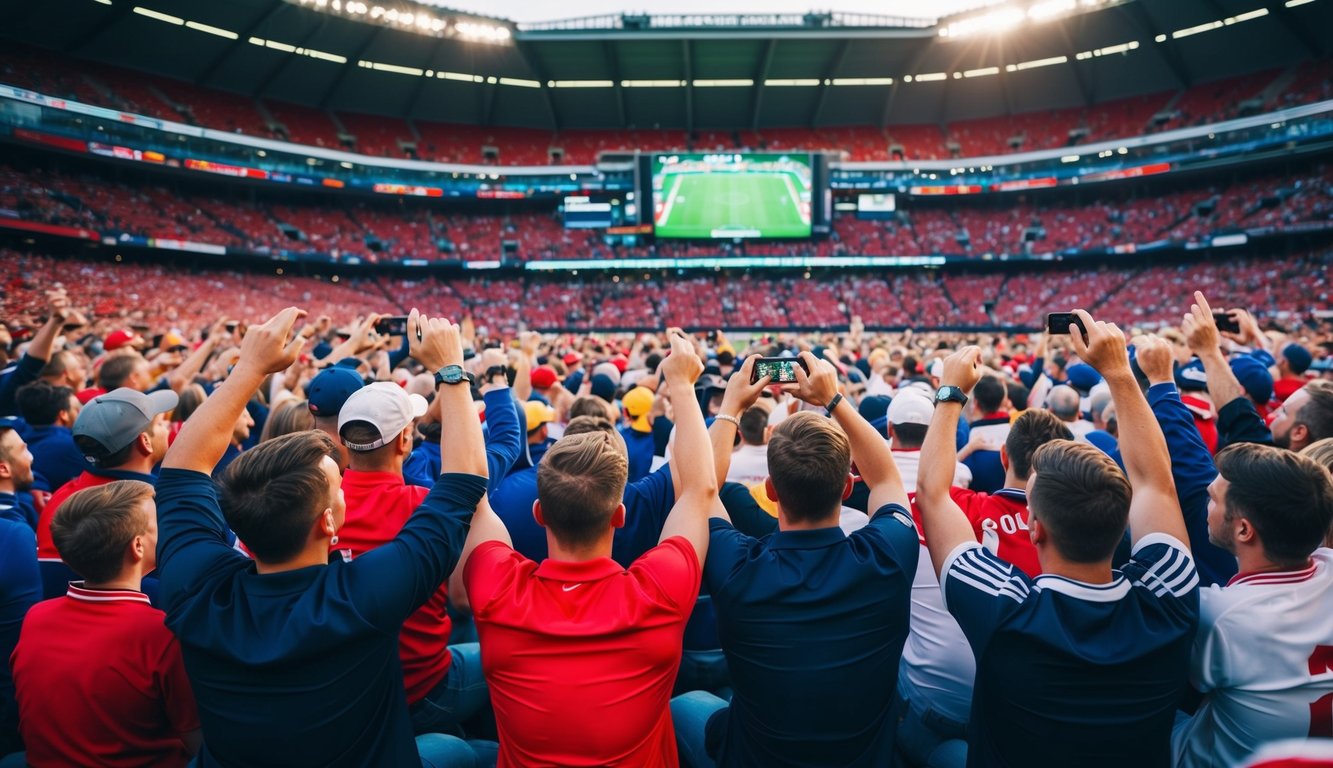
(231,327)
(1226,322)
(392,326)
(1059,323)
(782,369)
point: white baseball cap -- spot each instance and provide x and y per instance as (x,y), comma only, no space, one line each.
(911,406)
(385,405)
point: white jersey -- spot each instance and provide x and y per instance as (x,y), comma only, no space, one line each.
(1264,659)
(749,465)
(938,666)
(909,461)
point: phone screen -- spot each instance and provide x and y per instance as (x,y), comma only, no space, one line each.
(1060,323)
(781,369)
(392,326)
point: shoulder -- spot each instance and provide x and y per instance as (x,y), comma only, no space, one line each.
(893,521)
(1162,565)
(975,567)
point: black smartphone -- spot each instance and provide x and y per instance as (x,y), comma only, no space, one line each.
(392,326)
(781,369)
(1226,322)
(1059,323)
(231,327)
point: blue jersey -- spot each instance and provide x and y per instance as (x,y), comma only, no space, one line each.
(1070,673)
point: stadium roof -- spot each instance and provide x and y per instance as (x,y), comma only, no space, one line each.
(683,72)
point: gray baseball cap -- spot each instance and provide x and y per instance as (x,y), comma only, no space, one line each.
(115,419)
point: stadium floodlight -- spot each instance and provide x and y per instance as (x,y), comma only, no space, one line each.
(846,81)
(486,33)
(983,72)
(927,77)
(158,15)
(1294,3)
(804,82)
(1050,8)
(990,22)
(733,83)
(652,83)
(1006,17)
(412,17)
(211,30)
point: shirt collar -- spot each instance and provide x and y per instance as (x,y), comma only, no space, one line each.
(1095,593)
(122,474)
(580,570)
(1274,577)
(807,538)
(81,593)
(361,478)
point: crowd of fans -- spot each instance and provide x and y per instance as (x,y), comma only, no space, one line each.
(295,537)
(1279,289)
(375,232)
(176,100)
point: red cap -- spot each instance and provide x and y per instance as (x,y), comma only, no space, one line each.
(620,363)
(84,395)
(573,358)
(543,377)
(117,339)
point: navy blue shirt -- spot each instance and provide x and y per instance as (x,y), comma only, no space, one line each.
(640,445)
(647,504)
(20,589)
(504,442)
(19,508)
(1070,673)
(813,624)
(301,667)
(55,458)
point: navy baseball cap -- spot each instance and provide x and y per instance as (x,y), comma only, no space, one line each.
(330,389)
(1254,378)
(1082,377)
(1191,378)
(1298,357)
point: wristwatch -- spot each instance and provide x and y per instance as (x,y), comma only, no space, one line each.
(454,374)
(496,370)
(950,394)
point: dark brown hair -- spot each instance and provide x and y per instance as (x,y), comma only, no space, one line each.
(808,460)
(1082,498)
(1030,431)
(92,527)
(272,493)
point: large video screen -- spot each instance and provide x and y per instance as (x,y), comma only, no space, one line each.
(731,195)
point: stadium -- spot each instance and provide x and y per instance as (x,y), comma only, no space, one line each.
(874,200)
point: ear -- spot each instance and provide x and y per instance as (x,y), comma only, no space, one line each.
(618,516)
(405,440)
(1036,531)
(1300,434)
(144,444)
(537,513)
(1004,457)
(6,471)
(847,490)
(769,489)
(1244,531)
(327,526)
(137,549)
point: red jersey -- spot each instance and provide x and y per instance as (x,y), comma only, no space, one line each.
(378,506)
(100,681)
(999,521)
(46,547)
(580,657)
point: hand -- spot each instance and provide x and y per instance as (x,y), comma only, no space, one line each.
(491,358)
(980,441)
(962,369)
(741,394)
(819,386)
(58,302)
(528,342)
(1250,334)
(272,347)
(683,364)
(1105,347)
(1154,356)
(217,330)
(433,341)
(1199,327)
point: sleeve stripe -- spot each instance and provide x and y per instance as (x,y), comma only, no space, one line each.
(987,564)
(1174,573)
(971,568)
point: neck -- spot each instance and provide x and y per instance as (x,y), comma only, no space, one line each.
(8,488)
(1251,559)
(1090,573)
(785,523)
(131,580)
(1012,480)
(599,549)
(393,466)
(141,464)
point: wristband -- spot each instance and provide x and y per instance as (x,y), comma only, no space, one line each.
(833,404)
(725,417)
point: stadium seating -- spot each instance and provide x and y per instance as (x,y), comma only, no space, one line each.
(377,135)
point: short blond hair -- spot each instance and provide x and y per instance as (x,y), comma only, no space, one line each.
(580,482)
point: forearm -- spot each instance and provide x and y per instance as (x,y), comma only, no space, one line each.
(1222,384)
(722,436)
(190,367)
(462,448)
(504,441)
(692,457)
(1142,445)
(207,432)
(870,451)
(943,523)
(522,378)
(44,339)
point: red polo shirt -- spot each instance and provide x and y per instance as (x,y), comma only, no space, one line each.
(999,521)
(100,681)
(46,548)
(378,506)
(580,657)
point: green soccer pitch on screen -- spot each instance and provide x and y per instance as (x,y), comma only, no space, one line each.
(731,195)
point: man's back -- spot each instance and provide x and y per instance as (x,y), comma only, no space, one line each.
(300,667)
(131,699)
(813,624)
(581,656)
(1070,673)
(1264,657)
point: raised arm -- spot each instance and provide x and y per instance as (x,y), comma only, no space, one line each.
(1191,466)
(943,523)
(267,348)
(737,399)
(692,458)
(39,351)
(182,375)
(1154,507)
(1237,419)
